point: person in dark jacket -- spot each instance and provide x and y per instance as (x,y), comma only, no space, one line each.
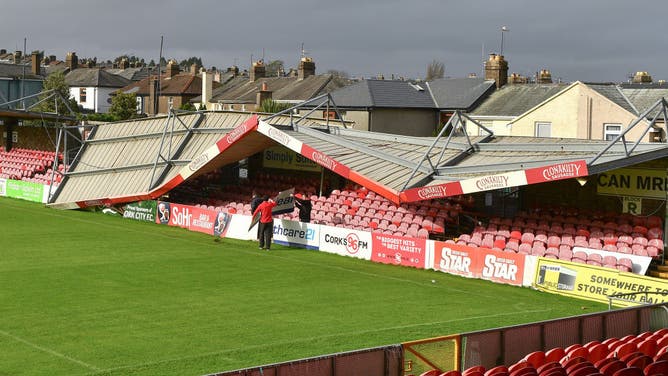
(304,205)
(256,200)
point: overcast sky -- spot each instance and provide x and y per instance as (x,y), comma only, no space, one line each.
(586,40)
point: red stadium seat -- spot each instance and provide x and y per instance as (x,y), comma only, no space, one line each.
(536,358)
(451,373)
(612,367)
(497,371)
(549,366)
(475,369)
(641,361)
(630,371)
(597,352)
(554,354)
(657,368)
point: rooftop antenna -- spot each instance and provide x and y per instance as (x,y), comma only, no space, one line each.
(156,100)
(263,54)
(303,51)
(503,30)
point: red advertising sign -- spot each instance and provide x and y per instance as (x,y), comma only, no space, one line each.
(237,132)
(325,161)
(496,266)
(432,191)
(192,218)
(566,170)
(398,250)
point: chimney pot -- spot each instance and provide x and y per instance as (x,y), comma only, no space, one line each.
(306,68)
(257,70)
(72,61)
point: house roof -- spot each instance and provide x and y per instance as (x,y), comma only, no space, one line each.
(515,100)
(643,96)
(132,74)
(613,93)
(94,77)
(18,71)
(384,94)
(241,90)
(459,93)
(180,84)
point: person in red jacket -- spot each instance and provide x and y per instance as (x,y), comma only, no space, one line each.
(266,222)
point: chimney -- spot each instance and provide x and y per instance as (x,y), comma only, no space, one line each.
(234,70)
(496,68)
(35,66)
(642,78)
(544,77)
(52,58)
(124,64)
(194,69)
(262,95)
(152,105)
(517,78)
(257,70)
(17,57)
(172,69)
(306,68)
(3,51)
(207,87)
(72,61)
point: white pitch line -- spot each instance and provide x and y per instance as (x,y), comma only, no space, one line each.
(49,351)
(309,339)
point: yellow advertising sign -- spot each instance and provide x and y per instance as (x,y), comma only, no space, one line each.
(282,157)
(633,182)
(597,283)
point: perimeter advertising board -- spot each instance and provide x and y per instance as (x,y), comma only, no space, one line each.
(141,210)
(399,250)
(345,242)
(596,283)
(488,264)
(296,234)
(24,190)
(3,187)
(193,218)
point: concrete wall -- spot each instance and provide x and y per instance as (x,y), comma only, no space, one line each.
(407,122)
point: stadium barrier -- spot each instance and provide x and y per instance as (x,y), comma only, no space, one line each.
(25,190)
(379,361)
(508,345)
(442,353)
(545,274)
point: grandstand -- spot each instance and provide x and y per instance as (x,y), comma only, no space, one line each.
(510,196)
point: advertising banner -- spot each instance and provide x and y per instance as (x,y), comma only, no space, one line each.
(198,219)
(297,234)
(398,250)
(237,228)
(285,203)
(648,183)
(597,283)
(24,190)
(284,158)
(3,187)
(492,182)
(345,242)
(162,212)
(491,265)
(559,171)
(140,210)
(432,191)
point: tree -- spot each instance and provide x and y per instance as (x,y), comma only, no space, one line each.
(435,69)
(123,106)
(56,82)
(187,107)
(272,107)
(274,67)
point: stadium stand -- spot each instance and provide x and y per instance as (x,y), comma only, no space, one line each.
(353,207)
(631,355)
(553,233)
(30,165)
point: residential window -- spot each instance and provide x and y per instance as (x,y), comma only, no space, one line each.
(82,95)
(140,105)
(543,129)
(611,131)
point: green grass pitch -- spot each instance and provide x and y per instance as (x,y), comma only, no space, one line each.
(83,293)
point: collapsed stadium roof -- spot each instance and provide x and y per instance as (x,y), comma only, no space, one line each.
(144,159)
